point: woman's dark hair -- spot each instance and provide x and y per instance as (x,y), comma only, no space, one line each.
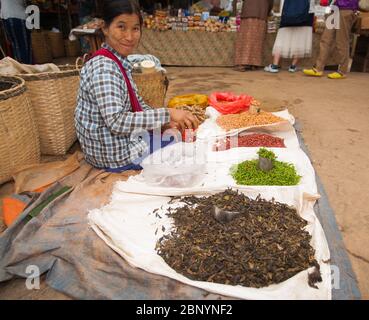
(114,8)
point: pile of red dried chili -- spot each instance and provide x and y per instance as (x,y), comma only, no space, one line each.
(250,140)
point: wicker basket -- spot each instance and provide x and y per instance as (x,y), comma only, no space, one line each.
(53,98)
(40,48)
(152,87)
(72,48)
(56,43)
(19,143)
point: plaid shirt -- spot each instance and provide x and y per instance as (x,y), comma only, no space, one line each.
(104,119)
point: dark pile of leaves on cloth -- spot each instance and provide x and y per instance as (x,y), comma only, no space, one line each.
(228,238)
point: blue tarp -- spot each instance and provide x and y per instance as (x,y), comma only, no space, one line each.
(80,265)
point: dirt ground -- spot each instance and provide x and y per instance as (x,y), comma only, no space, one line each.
(335,120)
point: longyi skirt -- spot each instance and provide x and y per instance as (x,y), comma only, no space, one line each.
(250,42)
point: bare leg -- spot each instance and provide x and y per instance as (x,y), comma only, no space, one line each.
(276,59)
(294,61)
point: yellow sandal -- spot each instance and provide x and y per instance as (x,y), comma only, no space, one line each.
(336,75)
(313,72)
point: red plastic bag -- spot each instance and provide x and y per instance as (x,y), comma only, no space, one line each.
(324,3)
(228,103)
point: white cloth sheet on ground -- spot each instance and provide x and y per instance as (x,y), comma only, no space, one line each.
(127,226)
(217,175)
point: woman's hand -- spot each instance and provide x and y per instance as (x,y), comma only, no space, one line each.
(170,125)
(171,129)
(184,119)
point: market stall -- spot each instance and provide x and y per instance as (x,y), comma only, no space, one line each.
(195,39)
(132,213)
(198,48)
(194,48)
(230,208)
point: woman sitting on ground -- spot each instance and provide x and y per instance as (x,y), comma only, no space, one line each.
(114,125)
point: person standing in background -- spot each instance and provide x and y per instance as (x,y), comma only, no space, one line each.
(251,37)
(295,36)
(339,39)
(13,14)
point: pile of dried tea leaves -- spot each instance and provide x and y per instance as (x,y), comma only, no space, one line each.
(263,244)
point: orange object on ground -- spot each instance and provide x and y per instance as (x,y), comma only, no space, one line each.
(12,208)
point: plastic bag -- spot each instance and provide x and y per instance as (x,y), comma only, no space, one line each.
(178,166)
(189,100)
(228,103)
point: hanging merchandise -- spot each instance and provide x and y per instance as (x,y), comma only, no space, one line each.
(228,103)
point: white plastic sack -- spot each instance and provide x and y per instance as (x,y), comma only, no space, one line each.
(11,67)
(177,165)
(128,227)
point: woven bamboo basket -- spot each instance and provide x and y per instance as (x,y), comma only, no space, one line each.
(40,48)
(53,98)
(152,87)
(19,142)
(56,43)
(72,48)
